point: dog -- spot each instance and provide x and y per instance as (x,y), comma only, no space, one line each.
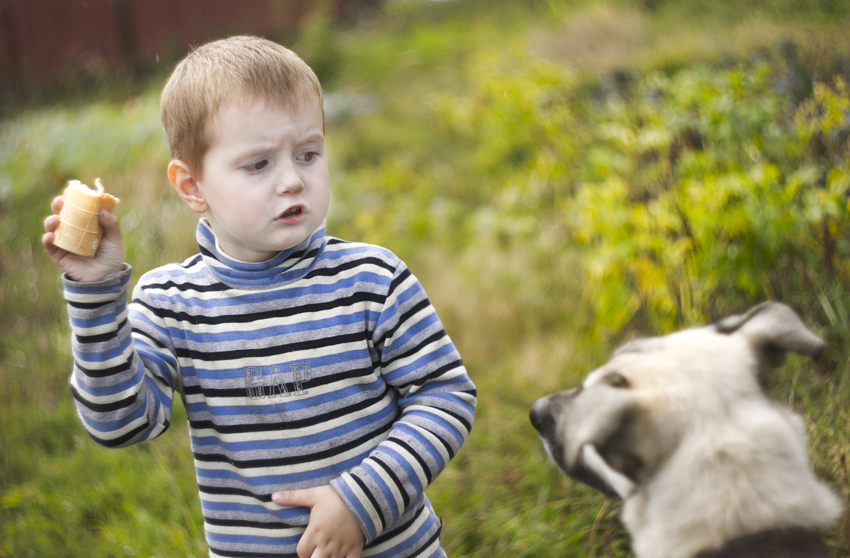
(681,429)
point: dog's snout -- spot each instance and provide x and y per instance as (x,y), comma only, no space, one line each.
(541,418)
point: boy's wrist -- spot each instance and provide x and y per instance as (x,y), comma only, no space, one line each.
(370,530)
(95,280)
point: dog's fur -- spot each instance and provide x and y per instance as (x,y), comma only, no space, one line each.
(680,427)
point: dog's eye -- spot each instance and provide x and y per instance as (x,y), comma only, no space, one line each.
(615,379)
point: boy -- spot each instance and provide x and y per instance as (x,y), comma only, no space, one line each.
(322,392)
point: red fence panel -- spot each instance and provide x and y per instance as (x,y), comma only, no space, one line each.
(42,40)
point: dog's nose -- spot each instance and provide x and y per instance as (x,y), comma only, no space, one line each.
(540,417)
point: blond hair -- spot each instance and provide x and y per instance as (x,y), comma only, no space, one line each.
(241,67)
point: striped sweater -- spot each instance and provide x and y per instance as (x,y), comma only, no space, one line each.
(324,365)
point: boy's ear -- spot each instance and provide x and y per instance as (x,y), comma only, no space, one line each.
(182,177)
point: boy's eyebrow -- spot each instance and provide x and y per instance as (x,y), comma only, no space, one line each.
(314,136)
(260,147)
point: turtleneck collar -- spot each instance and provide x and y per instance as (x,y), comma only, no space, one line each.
(287,266)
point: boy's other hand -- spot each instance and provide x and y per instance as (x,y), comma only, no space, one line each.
(332,532)
(107,261)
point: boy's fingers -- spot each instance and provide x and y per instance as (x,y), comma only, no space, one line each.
(107,219)
(303,498)
(109,222)
(51,223)
(47,240)
(57,203)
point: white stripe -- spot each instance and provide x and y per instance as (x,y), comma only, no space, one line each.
(409,460)
(364,501)
(292,356)
(101,329)
(227,327)
(389,482)
(290,469)
(124,357)
(274,531)
(434,440)
(440,413)
(421,352)
(404,535)
(330,425)
(175,292)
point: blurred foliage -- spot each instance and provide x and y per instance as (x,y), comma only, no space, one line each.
(560,175)
(709,190)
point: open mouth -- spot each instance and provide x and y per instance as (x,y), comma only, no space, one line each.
(291,212)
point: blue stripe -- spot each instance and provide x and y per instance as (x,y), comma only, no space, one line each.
(383,486)
(354,502)
(406,466)
(253,539)
(290,479)
(80,322)
(421,441)
(266,333)
(405,544)
(438,420)
(277,443)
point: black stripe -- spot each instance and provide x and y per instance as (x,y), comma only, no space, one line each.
(287,424)
(232,491)
(292,459)
(271,525)
(327,271)
(103,373)
(372,500)
(212,393)
(403,318)
(466,424)
(93,305)
(440,334)
(437,373)
(246,554)
(248,317)
(102,407)
(446,445)
(416,456)
(271,350)
(101,337)
(121,440)
(186,287)
(395,530)
(405,497)
(432,539)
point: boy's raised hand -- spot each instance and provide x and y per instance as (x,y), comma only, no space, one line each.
(332,532)
(107,261)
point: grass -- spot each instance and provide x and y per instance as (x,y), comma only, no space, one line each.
(514,303)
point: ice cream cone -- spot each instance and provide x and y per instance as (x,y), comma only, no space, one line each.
(79,230)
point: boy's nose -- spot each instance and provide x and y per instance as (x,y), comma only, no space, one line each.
(289,182)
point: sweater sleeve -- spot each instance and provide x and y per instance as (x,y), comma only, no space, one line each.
(122,387)
(437,402)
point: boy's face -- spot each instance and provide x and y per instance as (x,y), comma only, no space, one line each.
(265,185)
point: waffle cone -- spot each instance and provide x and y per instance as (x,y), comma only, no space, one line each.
(79,229)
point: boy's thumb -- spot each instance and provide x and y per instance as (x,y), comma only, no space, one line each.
(303,498)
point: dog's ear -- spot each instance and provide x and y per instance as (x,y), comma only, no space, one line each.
(773,329)
(614,425)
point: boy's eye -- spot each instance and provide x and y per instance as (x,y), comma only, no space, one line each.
(258,166)
(309,157)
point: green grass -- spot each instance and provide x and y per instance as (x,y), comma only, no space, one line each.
(470,127)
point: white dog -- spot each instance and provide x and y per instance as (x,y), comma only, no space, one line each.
(680,427)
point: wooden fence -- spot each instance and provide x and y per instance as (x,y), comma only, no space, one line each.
(45,40)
